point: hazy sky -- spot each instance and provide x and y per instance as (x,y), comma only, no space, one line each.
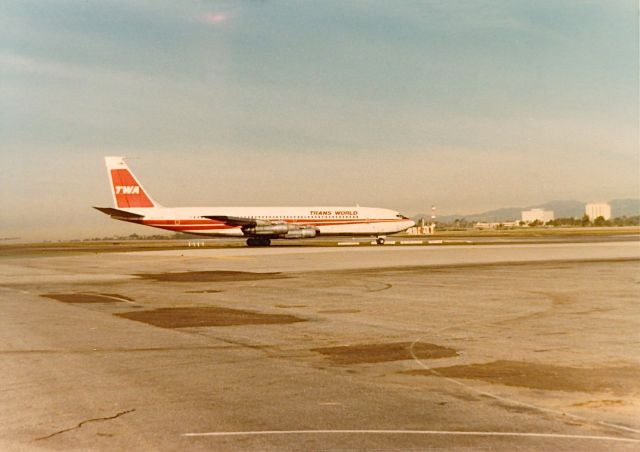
(469,105)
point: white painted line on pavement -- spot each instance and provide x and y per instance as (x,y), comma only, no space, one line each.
(415,432)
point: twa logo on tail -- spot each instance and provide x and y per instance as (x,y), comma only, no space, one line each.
(127,190)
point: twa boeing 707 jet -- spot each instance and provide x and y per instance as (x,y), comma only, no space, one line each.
(259,224)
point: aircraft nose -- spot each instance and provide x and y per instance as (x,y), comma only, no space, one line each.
(409,223)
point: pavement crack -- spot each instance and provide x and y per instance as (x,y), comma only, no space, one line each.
(378,289)
(86,421)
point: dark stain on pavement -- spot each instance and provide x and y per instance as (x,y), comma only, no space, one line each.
(85,297)
(186,317)
(617,380)
(116,295)
(375,353)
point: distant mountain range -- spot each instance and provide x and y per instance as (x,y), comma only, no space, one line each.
(561,209)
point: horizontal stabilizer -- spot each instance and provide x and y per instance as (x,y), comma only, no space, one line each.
(117,213)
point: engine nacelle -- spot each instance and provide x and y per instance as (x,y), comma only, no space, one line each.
(301,233)
(271,229)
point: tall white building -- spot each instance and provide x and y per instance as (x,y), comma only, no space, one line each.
(529,216)
(598,209)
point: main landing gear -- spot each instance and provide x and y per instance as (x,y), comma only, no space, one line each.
(258,241)
(380,240)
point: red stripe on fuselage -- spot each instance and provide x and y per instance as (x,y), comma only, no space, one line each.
(213,225)
(315,221)
(195,228)
(305,222)
(179,221)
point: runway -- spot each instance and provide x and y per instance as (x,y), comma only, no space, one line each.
(501,347)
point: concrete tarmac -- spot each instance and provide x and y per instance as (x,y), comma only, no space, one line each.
(527,347)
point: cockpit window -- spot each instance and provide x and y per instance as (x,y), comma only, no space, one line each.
(402,216)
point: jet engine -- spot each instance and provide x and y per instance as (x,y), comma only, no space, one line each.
(301,233)
(268,229)
(286,231)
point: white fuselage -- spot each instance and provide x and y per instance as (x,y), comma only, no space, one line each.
(330,220)
(260,224)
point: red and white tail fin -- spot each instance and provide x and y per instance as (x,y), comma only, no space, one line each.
(127,191)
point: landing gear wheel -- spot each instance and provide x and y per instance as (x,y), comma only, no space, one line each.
(380,240)
(258,241)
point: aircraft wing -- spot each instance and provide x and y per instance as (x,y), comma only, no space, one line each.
(236,221)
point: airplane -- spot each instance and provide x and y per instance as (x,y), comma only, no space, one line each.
(132,203)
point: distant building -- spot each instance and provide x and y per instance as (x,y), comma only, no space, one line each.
(598,209)
(421,228)
(529,216)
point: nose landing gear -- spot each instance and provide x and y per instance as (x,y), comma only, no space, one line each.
(380,240)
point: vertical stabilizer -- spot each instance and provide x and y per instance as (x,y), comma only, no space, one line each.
(127,191)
